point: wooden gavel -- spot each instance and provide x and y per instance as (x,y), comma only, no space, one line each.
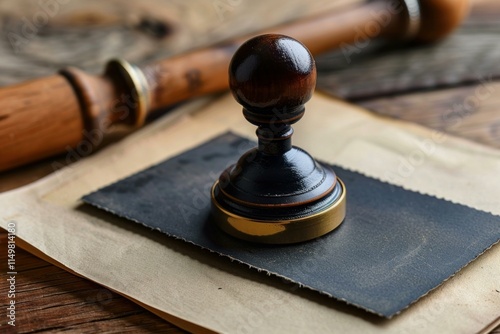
(51,115)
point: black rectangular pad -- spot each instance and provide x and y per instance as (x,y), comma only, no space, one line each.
(394,246)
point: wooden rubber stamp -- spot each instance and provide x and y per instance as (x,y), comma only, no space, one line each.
(276,193)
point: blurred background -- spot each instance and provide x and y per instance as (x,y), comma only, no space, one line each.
(42,36)
(433,85)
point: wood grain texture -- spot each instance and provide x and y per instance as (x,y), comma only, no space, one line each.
(49,299)
(451,87)
(469,111)
(205,71)
(368,69)
(27,135)
(38,40)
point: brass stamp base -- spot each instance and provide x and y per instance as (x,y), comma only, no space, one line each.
(284,231)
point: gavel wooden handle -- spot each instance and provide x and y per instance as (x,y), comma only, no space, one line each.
(71,111)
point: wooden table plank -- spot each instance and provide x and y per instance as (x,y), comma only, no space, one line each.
(452,86)
(470,111)
(51,299)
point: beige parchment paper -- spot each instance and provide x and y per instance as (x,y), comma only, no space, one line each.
(201,292)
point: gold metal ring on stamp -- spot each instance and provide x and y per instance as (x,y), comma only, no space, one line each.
(136,81)
(280,231)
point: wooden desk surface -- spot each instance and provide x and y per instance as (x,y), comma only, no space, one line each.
(50,299)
